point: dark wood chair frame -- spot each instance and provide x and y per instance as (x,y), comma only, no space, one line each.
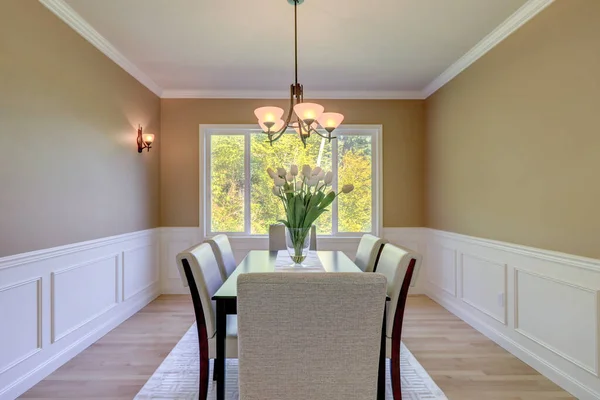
(397,330)
(202,333)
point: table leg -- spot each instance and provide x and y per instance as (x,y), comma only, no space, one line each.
(220,360)
(381,377)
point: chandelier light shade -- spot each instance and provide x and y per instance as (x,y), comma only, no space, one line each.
(303,118)
(330,120)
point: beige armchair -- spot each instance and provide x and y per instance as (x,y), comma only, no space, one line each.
(223,253)
(401,268)
(310,336)
(277,237)
(199,270)
(367,254)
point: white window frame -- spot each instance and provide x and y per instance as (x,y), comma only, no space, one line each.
(207,131)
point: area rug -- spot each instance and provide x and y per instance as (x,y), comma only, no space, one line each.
(177,377)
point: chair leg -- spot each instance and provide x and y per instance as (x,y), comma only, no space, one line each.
(395,372)
(204,366)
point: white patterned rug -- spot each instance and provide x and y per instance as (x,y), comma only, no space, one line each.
(177,377)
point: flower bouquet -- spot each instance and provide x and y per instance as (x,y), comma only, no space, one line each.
(305,196)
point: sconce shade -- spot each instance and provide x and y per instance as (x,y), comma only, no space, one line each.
(148,139)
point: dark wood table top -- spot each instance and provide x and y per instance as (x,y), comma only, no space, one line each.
(264,261)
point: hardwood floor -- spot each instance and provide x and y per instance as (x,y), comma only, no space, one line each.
(117,366)
(464,363)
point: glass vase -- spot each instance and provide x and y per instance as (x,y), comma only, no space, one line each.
(297,241)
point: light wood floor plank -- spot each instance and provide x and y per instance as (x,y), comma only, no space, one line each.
(464,363)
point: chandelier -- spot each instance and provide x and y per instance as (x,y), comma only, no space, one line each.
(304,118)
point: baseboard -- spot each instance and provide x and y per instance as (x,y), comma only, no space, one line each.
(43,370)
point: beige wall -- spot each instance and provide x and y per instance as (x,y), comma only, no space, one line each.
(69,168)
(403,146)
(514,141)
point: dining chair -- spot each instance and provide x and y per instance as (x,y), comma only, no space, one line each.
(199,270)
(223,253)
(277,237)
(309,336)
(401,268)
(368,252)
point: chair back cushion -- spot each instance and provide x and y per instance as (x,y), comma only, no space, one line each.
(367,252)
(277,237)
(309,336)
(393,263)
(223,253)
(207,276)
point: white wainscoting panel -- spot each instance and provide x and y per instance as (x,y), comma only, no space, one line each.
(20,323)
(545,306)
(174,240)
(442,272)
(483,285)
(136,274)
(542,306)
(56,302)
(81,293)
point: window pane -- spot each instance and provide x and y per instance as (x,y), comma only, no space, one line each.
(227,183)
(265,208)
(354,163)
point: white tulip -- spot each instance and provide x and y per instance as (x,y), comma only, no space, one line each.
(271,173)
(281,172)
(313,181)
(321,175)
(316,171)
(279,181)
(347,188)
(275,191)
(294,170)
(328,178)
(306,171)
(289,177)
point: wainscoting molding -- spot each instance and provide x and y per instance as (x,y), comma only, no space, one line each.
(56,302)
(174,240)
(542,306)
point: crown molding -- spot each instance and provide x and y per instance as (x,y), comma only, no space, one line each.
(530,9)
(277,94)
(69,16)
(527,11)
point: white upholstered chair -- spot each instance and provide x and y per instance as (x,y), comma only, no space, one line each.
(223,253)
(401,268)
(309,336)
(199,270)
(367,254)
(277,237)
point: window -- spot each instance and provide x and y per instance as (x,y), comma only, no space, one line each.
(237,187)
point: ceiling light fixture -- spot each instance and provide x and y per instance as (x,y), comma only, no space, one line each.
(310,117)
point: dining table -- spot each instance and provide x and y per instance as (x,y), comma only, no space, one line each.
(271,261)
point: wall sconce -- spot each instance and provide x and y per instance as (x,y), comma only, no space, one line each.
(144,141)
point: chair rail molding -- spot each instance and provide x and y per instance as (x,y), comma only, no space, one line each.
(516,295)
(69,297)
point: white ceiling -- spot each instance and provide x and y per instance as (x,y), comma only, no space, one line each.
(242,48)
